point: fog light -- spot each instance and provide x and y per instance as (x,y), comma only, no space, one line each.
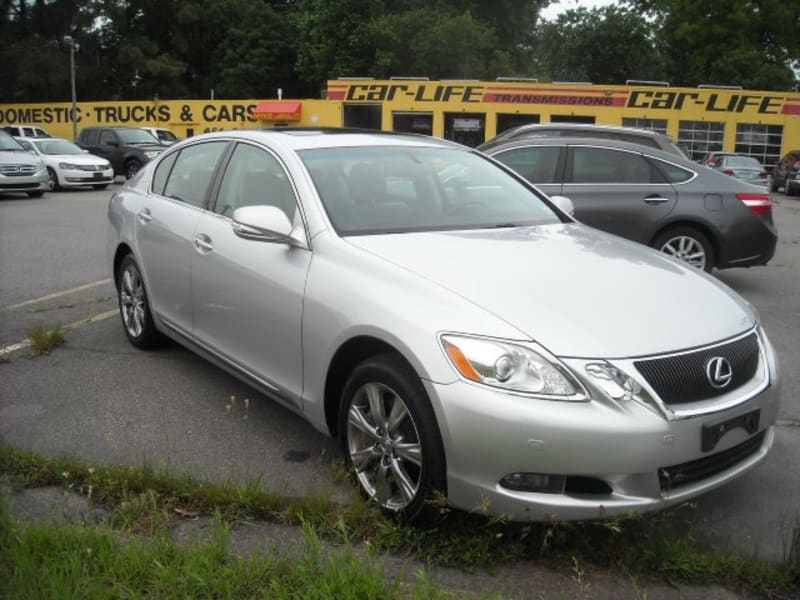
(534,482)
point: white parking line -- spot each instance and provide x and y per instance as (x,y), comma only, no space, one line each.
(93,319)
(61,293)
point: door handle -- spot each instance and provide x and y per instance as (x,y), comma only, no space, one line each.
(203,243)
(145,216)
(656,200)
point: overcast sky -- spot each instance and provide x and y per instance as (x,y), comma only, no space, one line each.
(552,11)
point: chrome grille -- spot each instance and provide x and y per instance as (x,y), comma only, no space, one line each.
(91,167)
(682,378)
(17,170)
(677,476)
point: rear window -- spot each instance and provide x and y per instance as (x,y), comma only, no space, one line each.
(603,165)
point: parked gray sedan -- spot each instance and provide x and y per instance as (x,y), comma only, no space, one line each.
(690,212)
(458,332)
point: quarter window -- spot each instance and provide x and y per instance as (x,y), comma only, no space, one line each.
(674,173)
(255,177)
(192,172)
(603,165)
(162,173)
(536,164)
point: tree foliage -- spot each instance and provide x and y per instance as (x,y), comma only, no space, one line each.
(603,45)
(131,49)
(752,43)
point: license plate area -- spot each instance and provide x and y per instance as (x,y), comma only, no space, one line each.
(713,432)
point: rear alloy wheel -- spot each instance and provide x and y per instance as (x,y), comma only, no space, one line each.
(53,179)
(390,438)
(132,168)
(688,245)
(134,307)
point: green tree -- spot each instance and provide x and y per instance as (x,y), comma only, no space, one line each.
(436,44)
(744,42)
(602,45)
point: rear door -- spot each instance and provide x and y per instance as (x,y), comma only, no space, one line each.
(619,191)
(166,224)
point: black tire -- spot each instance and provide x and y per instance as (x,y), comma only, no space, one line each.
(53,179)
(686,243)
(38,194)
(134,307)
(101,186)
(773,187)
(132,168)
(790,191)
(387,471)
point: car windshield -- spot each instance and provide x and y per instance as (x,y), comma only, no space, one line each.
(58,147)
(9,143)
(742,162)
(391,189)
(136,136)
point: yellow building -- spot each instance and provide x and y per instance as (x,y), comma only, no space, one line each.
(762,124)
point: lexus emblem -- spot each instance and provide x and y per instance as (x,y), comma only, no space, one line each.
(719,372)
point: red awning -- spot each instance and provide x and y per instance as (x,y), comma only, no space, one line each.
(278,111)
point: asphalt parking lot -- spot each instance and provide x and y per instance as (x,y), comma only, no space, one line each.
(100,400)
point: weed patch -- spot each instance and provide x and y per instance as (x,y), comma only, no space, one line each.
(44,340)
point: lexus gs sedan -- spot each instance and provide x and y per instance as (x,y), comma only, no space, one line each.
(457,330)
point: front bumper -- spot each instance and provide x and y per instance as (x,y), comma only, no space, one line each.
(74,178)
(629,447)
(36,182)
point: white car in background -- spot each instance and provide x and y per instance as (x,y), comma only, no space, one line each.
(162,134)
(69,165)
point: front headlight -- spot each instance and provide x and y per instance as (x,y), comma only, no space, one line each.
(511,366)
(152,153)
(39,166)
(68,166)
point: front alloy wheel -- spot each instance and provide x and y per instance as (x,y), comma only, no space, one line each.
(390,438)
(383,446)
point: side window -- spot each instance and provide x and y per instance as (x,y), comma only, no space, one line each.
(255,177)
(674,173)
(603,165)
(89,137)
(536,164)
(107,137)
(162,172)
(192,172)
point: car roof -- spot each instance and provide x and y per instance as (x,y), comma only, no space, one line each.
(305,138)
(590,141)
(586,127)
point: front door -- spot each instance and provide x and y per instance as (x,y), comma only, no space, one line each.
(248,295)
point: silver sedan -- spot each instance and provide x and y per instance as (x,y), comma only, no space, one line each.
(457,330)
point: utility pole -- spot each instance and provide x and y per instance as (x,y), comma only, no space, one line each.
(69,41)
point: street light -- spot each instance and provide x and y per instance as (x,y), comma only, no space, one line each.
(73,46)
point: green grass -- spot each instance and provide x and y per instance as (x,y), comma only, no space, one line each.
(44,340)
(660,545)
(69,561)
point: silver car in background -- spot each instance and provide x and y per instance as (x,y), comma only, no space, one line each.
(20,170)
(457,331)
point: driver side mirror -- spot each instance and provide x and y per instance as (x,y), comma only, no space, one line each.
(565,204)
(266,224)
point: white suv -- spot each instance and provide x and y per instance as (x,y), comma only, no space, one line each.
(25,131)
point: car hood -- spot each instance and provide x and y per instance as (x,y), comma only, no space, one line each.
(76,159)
(15,157)
(577,291)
